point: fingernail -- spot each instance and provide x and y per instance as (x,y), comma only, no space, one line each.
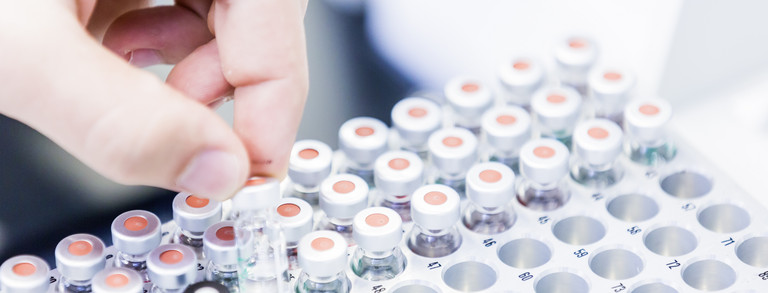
(144,57)
(211,173)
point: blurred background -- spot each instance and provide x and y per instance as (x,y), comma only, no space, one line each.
(707,57)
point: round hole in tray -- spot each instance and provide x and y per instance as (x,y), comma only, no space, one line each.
(724,218)
(709,275)
(616,264)
(686,184)
(561,282)
(469,276)
(579,230)
(525,253)
(414,287)
(633,207)
(670,241)
(754,251)
(654,288)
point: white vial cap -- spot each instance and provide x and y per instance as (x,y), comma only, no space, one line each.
(397,174)
(377,229)
(576,53)
(172,266)
(469,98)
(219,243)
(608,84)
(453,150)
(80,256)
(343,195)
(310,162)
(259,193)
(435,207)
(136,232)
(597,141)
(557,107)
(645,119)
(490,184)
(195,214)
(24,274)
(507,128)
(362,139)
(521,75)
(415,119)
(322,253)
(295,216)
(544,161)
(117,280)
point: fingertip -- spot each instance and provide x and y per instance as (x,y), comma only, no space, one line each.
(215,174)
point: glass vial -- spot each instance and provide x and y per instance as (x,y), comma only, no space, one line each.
(468,99)
(193,215)
(262,263)
(397,174)
(378,232)
(490,189)
(555,112)
(134,235)
(362,140)
(172,267)
(342,196)
(543,166)
(118,280)
(520,77)
(505,130)
(296,217)
(414,120)
(435,211)
(323,259)
(610,89)
(309,165)
(452,151)
(574,57)
(647,142)
(597,145)
(221,251)
(24,274)
(78,258)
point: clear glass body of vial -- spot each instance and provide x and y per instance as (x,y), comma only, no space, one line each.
(336,284)
(376,266)
(434,243)
(646,140)
(262,263)
(225,275)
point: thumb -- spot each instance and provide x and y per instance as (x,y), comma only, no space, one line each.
(119,120)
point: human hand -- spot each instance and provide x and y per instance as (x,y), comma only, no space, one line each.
(128,125)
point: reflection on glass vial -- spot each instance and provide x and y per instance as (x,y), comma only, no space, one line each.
(378,231)
(414,119)
(78,258)
(609,90)
(341,197)
(435,211)
(644,124)
(296,217)
(543,166)
(221,252)
(309,165)
(468,99)
(555,112)
(171,267)
(362,140)
(505,130)
(597,145)
(24,274)
(520,77)
(452,151)
(323,259)
(490,189)
(118,280)
(574,57)
(134,235)
(193,215)
(397,175)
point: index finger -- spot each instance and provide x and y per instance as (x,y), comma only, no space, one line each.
(263,55)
